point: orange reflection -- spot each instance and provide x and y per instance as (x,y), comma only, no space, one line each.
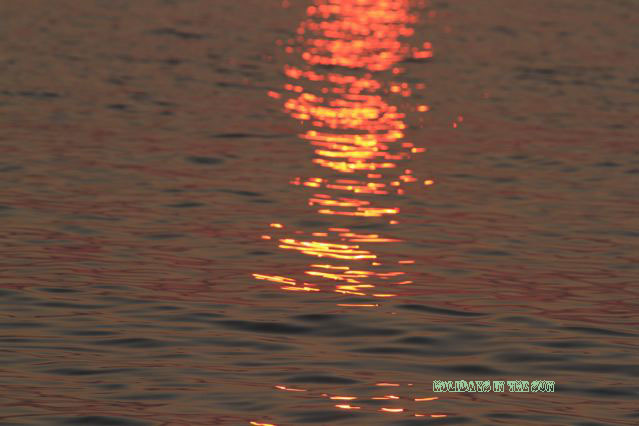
(342,90)
(356,34)
(403,402)
(347,407)
(391,410)
(282,387)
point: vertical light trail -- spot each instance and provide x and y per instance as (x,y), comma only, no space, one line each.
(342,92)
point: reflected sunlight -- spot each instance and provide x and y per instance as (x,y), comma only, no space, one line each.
(342,92)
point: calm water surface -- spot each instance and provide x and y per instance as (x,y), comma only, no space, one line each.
(303,212)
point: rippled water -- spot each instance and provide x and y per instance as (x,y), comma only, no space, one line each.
(304,212)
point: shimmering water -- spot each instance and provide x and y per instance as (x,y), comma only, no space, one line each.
(304,212)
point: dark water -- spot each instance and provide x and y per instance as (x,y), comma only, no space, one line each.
(254,211)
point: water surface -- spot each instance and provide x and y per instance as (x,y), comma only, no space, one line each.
(304,212)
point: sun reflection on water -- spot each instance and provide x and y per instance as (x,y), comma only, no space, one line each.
(403,400)
(356,132)
(342,92)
